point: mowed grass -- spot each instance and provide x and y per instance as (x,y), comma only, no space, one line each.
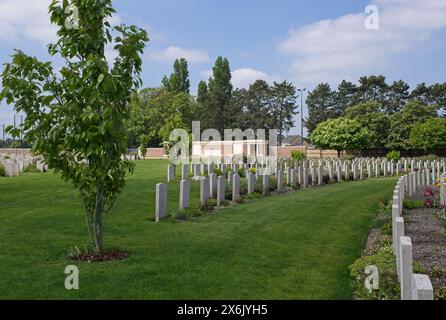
(294,246)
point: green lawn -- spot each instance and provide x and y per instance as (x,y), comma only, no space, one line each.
(293,246)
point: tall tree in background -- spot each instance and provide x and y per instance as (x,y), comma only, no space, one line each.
(346,96)
(75,118)
(202,92)
(402,123)
(259,104)
(321,104)
(219,95)
(283,107)
(397,97)
(372,88)
(179,79)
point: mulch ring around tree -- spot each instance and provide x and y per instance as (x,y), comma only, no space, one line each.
(428,233)
(106,256)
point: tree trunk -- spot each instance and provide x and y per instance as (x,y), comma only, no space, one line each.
(339,153)
(89,225)
(98,218)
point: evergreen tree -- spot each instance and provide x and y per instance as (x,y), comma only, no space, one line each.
(220,93)
(397,97)
(345,97)
(179,80)
(321,104)
(283,107)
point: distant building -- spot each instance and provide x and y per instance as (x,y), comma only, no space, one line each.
(294,141)
(229,149)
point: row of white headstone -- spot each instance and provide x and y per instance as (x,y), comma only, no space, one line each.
(15,164)
(413,286)
(213,186)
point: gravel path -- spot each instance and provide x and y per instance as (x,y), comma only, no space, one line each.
(428,235)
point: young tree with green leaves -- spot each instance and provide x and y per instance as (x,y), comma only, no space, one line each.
(377,123)
(340,134)
(401,124)
(75,118)
(429,135)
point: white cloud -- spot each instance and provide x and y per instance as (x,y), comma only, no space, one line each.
(330,50)
(243,77)
(26,19)
(30,20)
(171,53)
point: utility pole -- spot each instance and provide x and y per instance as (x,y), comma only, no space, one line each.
(302,114)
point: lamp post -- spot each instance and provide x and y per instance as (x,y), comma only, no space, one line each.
(302,114)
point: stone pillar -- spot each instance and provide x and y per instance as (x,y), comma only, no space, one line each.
(338,173)
(213,185)
(265,183)
(170,173)
(304,177)
(161,201)
(399,232)
(196,169)
(279,181)
(292,182)
(410,180)
(443,190)
(184,172)
(251,181)
(220,190)
(330,171)
(347,173)
(422,287)
(313,176)
(406,268)
(235,187)
(184,194)
(288,176)
(204,190)
(320,175)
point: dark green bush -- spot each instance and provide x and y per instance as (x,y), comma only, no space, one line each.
(389,286)
(272,183)
(31,169)
(2,171)
(440,294)
(218,172)
(298,155)
(393,155)
(253,196)
(258,185)
(413,204)
(243,187)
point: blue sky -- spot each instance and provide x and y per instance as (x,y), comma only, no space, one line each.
(305,42)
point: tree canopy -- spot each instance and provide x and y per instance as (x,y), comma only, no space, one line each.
(75,117)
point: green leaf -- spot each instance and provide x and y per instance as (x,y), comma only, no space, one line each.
(100,79)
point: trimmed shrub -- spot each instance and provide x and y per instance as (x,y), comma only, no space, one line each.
(393,155)
(272,183)
(31,169)
(2,171)
(218,172)
(298,155)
